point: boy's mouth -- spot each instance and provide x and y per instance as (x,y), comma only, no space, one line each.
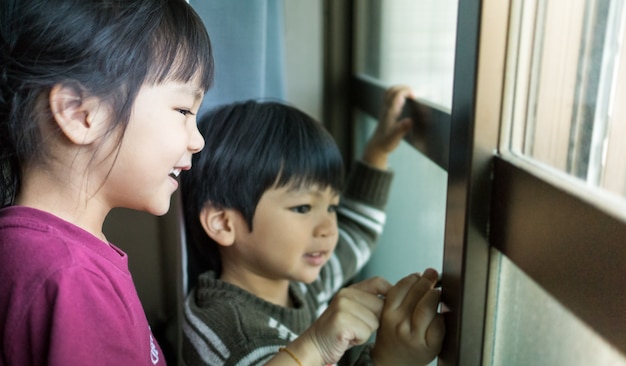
(316,258)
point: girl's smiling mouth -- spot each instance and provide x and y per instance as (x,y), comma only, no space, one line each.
(174,173)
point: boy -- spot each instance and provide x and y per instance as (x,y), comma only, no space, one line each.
(262,207)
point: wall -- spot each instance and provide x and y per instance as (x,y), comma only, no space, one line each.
(303,55)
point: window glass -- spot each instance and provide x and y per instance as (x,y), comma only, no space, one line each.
(567,80)
(526,326)
(412,238)
(408,42)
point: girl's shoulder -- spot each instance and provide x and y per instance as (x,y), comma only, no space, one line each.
(32,240)
(36,246)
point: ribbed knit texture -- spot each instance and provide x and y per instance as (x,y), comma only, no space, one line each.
(368,184)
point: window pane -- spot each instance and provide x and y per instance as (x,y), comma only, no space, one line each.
(412,238)
(408,42)
(526,326)
(414,229)
(568,71)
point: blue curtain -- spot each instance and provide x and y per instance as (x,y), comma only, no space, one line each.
(247,40)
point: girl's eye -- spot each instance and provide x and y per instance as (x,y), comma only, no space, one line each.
(333,208)
(301,209)
(185,112)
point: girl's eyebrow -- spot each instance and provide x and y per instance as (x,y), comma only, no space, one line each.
(184,89)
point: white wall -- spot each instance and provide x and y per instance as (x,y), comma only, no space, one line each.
(303,55)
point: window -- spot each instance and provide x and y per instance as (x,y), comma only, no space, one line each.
(568,69)
(535,220)
(559,212)
(408,42)
(411,43)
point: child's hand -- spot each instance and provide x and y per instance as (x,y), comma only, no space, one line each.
(350,319)
(389,131)
(411,331)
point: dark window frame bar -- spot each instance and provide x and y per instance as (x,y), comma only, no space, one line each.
(431,124)
(572,249)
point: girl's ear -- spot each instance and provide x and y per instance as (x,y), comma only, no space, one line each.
(76,116)
(219,224)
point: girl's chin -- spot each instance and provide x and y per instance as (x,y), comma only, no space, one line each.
(161,209)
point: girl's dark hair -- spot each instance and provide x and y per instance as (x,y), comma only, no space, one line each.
(251,147)
(102,48)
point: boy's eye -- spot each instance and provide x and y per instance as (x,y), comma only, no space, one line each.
(301,209)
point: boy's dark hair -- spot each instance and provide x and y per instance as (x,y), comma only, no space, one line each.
(102,48)
(251,147)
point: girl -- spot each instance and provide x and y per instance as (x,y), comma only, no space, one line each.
(97,110)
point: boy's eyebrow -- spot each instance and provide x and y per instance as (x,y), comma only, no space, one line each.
(313,190)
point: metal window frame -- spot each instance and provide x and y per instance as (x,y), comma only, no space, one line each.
(467,162)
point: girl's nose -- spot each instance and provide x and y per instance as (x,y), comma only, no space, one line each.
(196,141)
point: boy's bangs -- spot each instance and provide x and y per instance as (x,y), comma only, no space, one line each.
(312,163)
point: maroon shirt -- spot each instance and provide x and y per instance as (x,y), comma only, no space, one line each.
(66,297)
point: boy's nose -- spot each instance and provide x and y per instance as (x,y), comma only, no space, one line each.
(327,227)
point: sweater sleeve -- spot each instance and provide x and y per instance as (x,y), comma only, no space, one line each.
(361,218)
(364,358)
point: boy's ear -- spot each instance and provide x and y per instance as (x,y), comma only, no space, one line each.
(76,116)
(219,224)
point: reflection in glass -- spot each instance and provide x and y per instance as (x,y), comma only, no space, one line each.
(569,71)
(408,42)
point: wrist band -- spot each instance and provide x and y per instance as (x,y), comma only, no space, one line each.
(283,349)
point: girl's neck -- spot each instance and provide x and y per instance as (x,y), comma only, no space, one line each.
(43,194)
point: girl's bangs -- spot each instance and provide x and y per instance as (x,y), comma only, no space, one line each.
(182,48)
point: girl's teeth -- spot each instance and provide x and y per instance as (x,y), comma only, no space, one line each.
(175,173)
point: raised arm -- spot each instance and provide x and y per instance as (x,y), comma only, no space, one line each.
(390,129)
(361,214)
